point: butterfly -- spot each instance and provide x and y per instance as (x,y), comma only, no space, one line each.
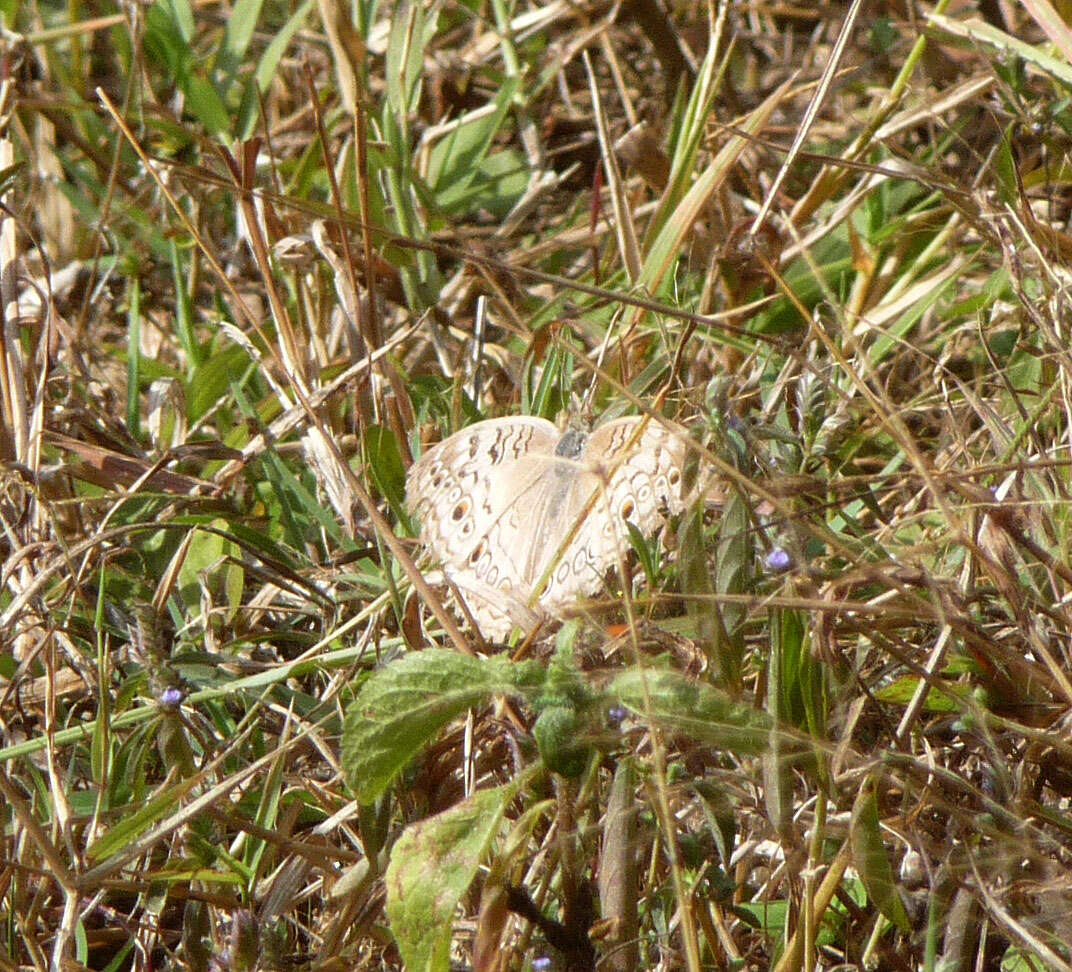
(525,520)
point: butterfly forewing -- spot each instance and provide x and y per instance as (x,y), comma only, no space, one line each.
(463,485)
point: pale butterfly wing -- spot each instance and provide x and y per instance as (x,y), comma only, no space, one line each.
(496,611)
(462,491)
(502,511)
(633,469)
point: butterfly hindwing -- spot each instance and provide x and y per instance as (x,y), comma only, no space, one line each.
(632,474)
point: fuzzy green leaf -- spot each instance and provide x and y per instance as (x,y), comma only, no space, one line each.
(698,710)
(432,866)
(403,705)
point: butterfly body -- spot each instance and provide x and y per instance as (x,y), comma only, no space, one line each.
(525,520)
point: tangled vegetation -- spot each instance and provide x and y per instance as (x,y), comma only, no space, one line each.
(255,258)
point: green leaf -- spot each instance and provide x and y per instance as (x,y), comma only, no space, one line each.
(241,23)
(643,551)
(249,112)
(205,104)
(552,392)
(788,657)
(1004,44)
(411,30)
(169,31)
(274,52)
(733,564)
(719,626)
(134,358)
(213,561)
(181,14)
(167,43)
(184,313)
(903,690)
(770,916)
(497,185)
(432,866)
(1005,167)
(455,161)
(208,382)
(687,140)
(402,706)
(871,861)
(385,466)
(695,709)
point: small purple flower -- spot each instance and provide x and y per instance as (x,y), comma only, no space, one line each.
(171,698)
(541,964)
(616,714)
(778,560)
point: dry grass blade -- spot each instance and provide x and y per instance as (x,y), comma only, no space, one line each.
(832,65)
(624,229)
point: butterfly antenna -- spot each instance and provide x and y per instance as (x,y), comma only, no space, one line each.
(476,359)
